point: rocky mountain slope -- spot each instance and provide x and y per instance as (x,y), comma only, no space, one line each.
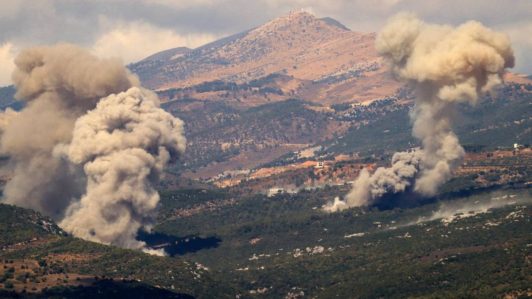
(320,59)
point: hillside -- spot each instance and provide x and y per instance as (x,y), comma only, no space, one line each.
(217,132)
(39,258)
(277,246)
(475,126)
(225,138)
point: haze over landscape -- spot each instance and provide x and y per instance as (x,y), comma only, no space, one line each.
(285,149)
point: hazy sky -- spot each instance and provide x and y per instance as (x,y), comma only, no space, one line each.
(133,29)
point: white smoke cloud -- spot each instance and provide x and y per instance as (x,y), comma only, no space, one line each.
(135,41)
(89,144)
(447,66)
(336,205)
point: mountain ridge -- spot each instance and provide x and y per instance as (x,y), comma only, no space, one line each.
(323,60)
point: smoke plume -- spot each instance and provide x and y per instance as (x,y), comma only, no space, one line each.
(88,144)
(123,145)
(447,66)
(59,84)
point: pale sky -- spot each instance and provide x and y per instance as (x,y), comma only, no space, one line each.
(134,29)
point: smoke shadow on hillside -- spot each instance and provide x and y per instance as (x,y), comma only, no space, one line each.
(173,245)
(403,200)
(410,199)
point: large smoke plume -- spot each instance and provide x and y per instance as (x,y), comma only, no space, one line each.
(89,144)
(446,66)
(123,145)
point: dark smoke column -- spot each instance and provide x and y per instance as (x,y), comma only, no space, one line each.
(447,66)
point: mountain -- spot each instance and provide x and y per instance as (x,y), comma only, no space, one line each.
(255,96)
(298,82)
(318,60)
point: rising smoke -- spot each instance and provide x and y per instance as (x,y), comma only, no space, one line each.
(446,66)
(123,145)
(89,144)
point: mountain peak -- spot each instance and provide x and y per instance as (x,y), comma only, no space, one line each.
(298,44)
(301,20)
(294,16)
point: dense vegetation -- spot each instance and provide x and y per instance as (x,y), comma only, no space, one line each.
(286,244)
